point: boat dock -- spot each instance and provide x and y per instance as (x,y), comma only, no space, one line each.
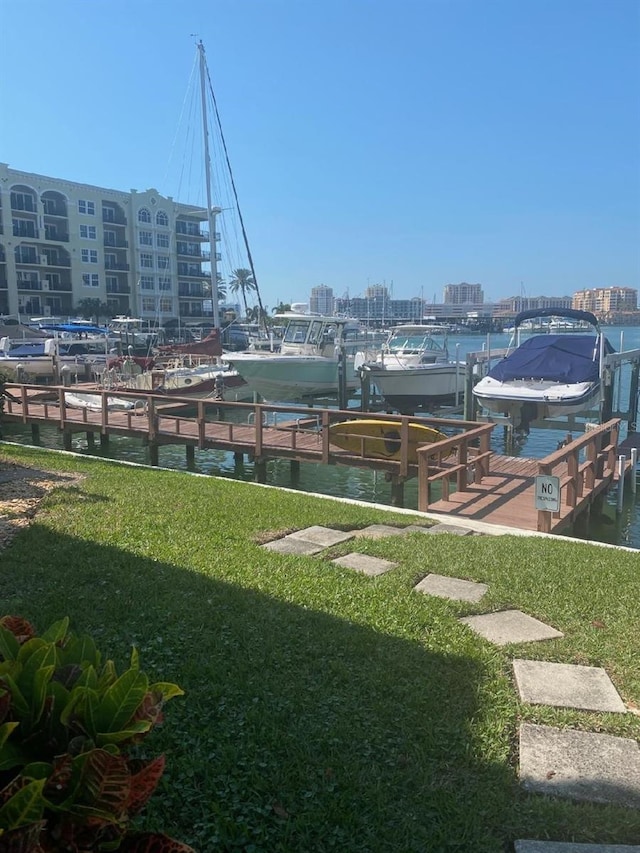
(459,475)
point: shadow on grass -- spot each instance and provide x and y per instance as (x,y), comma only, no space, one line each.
(299,731)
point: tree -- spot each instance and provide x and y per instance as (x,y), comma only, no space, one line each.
(282,308)
(93,309)
(242,281)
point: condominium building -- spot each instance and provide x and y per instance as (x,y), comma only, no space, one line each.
(604,301)
(515,304)
(141,253)
(463,294)
(321,300)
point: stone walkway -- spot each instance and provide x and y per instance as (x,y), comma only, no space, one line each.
(568,763)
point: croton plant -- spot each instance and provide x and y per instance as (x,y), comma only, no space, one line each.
(69,725)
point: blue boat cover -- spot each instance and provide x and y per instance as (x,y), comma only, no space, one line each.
(554,358)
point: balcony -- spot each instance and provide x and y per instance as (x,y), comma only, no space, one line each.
(52,260)
(192,231)
(190,290)
(113,216)
(115,242)
(52,233)
(113,265)
(115,289)
(26,229)
(54,210)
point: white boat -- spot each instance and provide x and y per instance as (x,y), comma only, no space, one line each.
(93,402)
(413,370)
(217,381)
(313,349)
(548,375)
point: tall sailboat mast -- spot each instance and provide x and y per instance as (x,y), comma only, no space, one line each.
(211,211)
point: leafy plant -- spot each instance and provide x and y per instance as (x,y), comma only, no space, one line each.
(68,723)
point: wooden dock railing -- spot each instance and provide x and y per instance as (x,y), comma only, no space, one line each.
(465,457)
(579,466)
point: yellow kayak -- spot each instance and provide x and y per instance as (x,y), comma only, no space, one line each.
(381,438)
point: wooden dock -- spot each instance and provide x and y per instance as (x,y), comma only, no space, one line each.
(460,476)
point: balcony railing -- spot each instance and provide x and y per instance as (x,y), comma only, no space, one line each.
(113,217)
(118,288)
(115,243)
(112,265)
(31,233)
(54,210)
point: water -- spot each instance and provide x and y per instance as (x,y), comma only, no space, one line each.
(361,484)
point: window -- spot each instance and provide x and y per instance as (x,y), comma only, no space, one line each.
(164,282)
(163,262)
(145,238)
(90,279)
(25,255)
(146,260)
(89,256)
(144,215)
(166,305)
(86,207)
(162,218)
(162,241)
(146,282)
(148,303)
(23,201)
(88,232)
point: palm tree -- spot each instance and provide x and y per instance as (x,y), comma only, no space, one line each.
(244,282)
(282,308)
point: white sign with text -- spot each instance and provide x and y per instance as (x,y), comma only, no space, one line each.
(548,493)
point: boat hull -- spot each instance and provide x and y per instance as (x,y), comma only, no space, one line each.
(412,388)
(531,400)
(282,378)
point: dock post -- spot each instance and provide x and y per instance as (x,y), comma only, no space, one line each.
(632,470)
(397,492)
(632,416)
(90,440)
(154,453)
(581,524)
(238,458)
(104,440)
(260,471)
(365,390)
(191,457)
(621,461)
(469,402)
(342,377)
(35,433)
(295,472)
(66,439)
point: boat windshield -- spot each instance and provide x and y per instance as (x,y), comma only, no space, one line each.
(296,332)
(413,344)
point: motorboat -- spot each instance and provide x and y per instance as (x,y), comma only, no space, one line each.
(547,375)
(413,370)
(313,350)
(93,402)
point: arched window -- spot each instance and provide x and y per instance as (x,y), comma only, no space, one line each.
(162,218)
(144,215)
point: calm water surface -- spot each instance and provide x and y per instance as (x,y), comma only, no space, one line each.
(622,529)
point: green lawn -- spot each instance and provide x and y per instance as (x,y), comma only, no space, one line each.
(324,710)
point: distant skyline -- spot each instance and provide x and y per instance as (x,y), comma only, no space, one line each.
(416,145)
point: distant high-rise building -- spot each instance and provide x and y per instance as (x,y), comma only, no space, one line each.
(140,252)
(463,294)
(606,300)
(321,300)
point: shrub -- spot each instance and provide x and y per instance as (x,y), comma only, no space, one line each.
(69,728)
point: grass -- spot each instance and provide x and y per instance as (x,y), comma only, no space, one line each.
(325,710)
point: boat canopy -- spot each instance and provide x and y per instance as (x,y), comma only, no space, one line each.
(553,358)
(569,313)
(74,328)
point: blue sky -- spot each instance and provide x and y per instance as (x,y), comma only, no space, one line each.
(414,143)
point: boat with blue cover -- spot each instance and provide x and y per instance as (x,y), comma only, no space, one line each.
(548,375)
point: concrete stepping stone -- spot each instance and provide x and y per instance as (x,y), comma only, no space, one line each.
(571,847)
(510,626)
(587,688)
(324,536)
(379,531)
(454,529)
(580,765)
(371,566)
(287,545)
(454,588)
